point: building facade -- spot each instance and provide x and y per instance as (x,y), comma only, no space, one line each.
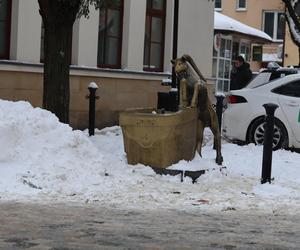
(126,50)
(265,15)
(291,51)
(232,38)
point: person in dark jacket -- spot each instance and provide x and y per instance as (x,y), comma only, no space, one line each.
(241,74)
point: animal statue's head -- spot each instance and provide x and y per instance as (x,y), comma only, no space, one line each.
(180,65)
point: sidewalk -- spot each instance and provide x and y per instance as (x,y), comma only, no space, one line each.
(62,227)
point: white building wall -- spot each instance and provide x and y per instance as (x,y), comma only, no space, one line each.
(133,34)
(14,29)
(25,31)
(85,40)
(75,43)
(195,35)
(169,36)
(85,37)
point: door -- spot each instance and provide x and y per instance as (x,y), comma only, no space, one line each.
(289,100)
(222,63)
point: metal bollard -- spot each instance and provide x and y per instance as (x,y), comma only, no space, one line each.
(268,143)
(92,110)
(219,108)
(173,98)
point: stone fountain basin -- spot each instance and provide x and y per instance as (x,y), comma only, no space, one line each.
(158,140)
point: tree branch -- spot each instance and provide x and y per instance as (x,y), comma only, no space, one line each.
(291,6)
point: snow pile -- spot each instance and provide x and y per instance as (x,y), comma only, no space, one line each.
(42,153)
(42,159)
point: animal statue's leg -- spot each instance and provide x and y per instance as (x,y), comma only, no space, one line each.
(183,102)
(200,129)
(217,137)
(195,95)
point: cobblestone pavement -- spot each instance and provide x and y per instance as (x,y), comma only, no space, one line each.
(66,227)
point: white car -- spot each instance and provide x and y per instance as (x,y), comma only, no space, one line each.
(243,120)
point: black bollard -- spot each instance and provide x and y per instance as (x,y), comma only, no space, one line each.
(268,143)
(92,109)
(173,94)
(219,108)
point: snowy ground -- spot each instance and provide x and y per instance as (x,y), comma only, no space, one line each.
(43,160)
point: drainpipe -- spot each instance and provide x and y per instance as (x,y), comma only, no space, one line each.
(284,37)
(175,40)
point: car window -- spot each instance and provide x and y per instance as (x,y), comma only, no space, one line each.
(259,80)
(269,75)
(289,89)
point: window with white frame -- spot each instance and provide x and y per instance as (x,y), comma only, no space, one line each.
(241,4)
(274,24)
(245,49)
(241,47)
(222,63)
(218,4)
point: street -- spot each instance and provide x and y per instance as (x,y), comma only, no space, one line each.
(85,226)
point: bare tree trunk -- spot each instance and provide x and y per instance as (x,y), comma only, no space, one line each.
(58,17)
(58,42)
(293,22)
(298,56)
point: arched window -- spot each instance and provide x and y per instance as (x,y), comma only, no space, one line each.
(110,36)
(5,23)
(155,35)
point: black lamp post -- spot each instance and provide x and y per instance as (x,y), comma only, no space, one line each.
(175,40)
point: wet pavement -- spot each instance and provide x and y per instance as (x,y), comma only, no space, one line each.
(66,227)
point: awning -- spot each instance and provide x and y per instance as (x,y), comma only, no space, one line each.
(229,25)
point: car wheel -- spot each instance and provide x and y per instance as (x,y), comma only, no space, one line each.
(257,130)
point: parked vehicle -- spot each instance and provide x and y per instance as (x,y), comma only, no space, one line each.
(243,120)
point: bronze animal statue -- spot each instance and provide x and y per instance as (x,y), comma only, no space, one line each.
(194,93)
